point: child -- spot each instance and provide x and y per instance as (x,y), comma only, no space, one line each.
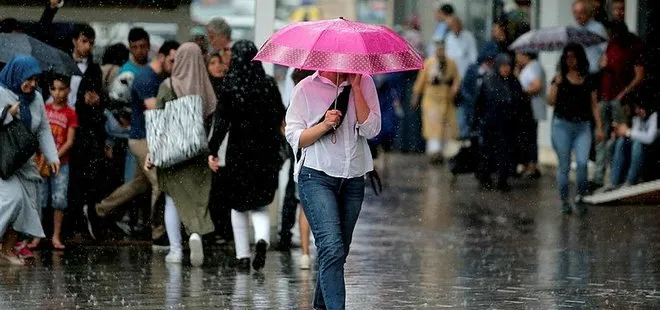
(630,147)
(63,123)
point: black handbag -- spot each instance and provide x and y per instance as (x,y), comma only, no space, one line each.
(17,145)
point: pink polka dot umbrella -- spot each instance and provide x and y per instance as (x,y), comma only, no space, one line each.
(340,45)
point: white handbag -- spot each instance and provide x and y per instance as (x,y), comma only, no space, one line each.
(176,133)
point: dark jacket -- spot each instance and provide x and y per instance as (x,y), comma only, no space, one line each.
(500,104)
(250,109)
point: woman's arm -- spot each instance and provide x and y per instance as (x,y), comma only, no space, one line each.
(645,136)
(70,137)
(221,123)
(420,85)
(554,88)
(534,88)
(366,102)
(595,109)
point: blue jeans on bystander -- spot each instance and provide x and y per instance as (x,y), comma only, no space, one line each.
(567,137)
(627,154)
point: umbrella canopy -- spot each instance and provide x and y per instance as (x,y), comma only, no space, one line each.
(50,58)
(555,38)
(340,45)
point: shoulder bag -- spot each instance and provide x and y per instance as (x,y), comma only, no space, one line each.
(17,145)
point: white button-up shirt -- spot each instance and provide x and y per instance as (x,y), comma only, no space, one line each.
(350,156)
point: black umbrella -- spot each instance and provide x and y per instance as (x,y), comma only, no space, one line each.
(51,59)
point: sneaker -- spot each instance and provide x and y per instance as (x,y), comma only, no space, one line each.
(605,189)
(23,251)
(175,256)
(566,208)
(124,227)
(305,262)
(196,250)
(91,218)
(260,257)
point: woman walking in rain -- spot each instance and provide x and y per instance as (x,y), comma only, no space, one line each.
(250,110)
(330,171)
(19,194)
(573,94)
(187,185)
(437,84)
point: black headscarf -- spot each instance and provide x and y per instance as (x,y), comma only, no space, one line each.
(244,75)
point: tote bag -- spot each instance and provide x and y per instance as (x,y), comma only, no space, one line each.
(17,145)
(176,133)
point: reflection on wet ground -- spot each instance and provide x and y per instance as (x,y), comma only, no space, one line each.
(425,243)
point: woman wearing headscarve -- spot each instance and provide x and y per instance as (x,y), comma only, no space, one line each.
(187,185)
(19,195)
(251,111)
(500,103)
(437,85)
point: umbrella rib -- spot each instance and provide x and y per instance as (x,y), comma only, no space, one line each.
(312,47)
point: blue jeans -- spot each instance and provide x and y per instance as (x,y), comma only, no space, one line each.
(568,137)
(332,206)
(630,154)
(610,112)
(54,189)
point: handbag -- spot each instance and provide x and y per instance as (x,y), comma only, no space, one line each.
(42,165)
(176,133)
(17,145)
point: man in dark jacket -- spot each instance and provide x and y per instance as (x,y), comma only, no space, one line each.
(88,151)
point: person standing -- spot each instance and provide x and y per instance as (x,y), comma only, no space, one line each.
(87,154)
(583,14)
(437,84)
(330,171)
(622,74)
(443,13)
(461,45)
(19,194)
(532,79)
(143,93)
(250,110)
(187,185)
(63,123)
(500,104)
(470,88)
(573,95)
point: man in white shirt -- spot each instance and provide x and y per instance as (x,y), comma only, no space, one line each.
(460,45)
(583,13)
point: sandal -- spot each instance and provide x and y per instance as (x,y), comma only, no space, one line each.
(59,246)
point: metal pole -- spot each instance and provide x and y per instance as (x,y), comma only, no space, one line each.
(264,26)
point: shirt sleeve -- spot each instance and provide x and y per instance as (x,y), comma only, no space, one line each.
(73,119)
(472,50)
(295,116)
(45,136)
(371,126)
(647,134)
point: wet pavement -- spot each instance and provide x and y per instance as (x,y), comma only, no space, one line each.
(429,242)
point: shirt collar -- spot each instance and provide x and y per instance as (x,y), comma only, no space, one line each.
(324,80)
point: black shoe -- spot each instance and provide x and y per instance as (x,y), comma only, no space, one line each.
(284,245)
(580,206)
(566,208)
(486,185)
(503,187)
(161,244)
(242,264)
(260,258)
(92,221)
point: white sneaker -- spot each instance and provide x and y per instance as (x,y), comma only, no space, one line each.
(305,262)
(196,250)
(175,256)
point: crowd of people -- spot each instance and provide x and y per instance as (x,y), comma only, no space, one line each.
(493,100)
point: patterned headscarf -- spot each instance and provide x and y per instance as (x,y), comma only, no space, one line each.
(18,70)
(190,76)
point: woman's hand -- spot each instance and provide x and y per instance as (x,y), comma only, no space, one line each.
(356,80)
(332,119)
(14,110)
(621,130)
(55,168)
(148,164)
(557,79)
(214,163)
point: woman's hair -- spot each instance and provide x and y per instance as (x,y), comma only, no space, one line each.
(580,57)
(211,56)
(116,54)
